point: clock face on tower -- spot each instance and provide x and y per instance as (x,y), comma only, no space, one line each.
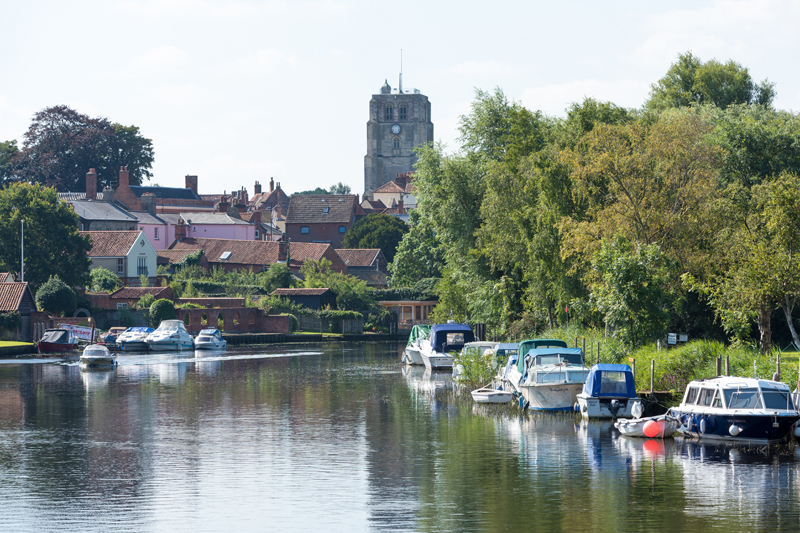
(396,129)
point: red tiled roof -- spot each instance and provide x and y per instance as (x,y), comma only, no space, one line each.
(172,256)
(111,243)
(11,294)
(299,292)
(134,293)
(310,208)
(6,276)
(249,252)
(358,257)
(389,187)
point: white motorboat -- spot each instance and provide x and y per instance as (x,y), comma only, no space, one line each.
(736,409)
(443,341)
(487,395)
(548,375)
(134,339)
(96,355)
(609,392)
(210,339)
(170,335)
(419,334)
(653,427)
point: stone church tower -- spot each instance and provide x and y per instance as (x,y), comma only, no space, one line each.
(399,121)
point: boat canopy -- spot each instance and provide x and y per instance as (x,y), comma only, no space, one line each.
(212,331)
(56,336)
(450,337)
(606,381)
(418,332)
(141,328)
(535,344)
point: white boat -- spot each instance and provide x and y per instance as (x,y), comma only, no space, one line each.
(487,395)
(96,355)
(736,409)
(609,392)
(548,375)
(653,427)
(443,341)
(474,350)
(419,334)
(170,335)
(210,339)
(134,339)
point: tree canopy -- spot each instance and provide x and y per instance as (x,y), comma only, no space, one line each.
(61,145)
(53,245)
(56,297)
(376,230)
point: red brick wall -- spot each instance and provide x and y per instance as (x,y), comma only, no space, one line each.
(236,320)
(317,232)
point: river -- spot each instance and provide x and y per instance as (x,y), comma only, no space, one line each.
(337,437)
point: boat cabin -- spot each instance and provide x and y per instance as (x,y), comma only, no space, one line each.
(450,337)
(610,381)
(737,393)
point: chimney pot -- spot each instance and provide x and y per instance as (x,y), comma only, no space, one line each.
(272,184)
(124,178)
(91,185)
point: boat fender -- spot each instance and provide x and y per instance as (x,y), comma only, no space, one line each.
(689,423)
(521,402)
(734,430)
(637,410)
(702,425)
(652,429)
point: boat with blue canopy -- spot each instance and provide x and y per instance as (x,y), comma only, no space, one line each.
(443,341)
(609,392)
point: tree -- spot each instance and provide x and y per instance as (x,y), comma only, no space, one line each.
(418,256)
(103,279)
(352,294)
(56,297)
(161,310)
(145,301)
(340,188)
(376,230)
(61,145)
(318,190)
(53,245)
(690,81)
(8,150)
(277,277)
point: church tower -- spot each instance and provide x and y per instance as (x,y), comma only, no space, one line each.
(399,121)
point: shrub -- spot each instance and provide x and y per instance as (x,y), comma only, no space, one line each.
(144,281)
(10,321)
(177,288)
(56,297)
(189,291)
(477,367)
(293,322)
(145,301)
(336,314)
(161,310)
(103,279)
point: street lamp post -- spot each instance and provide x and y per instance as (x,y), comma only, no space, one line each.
(22,251)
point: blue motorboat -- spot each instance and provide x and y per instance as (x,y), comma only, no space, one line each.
(609,392)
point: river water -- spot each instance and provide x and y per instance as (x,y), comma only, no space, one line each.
(338,437)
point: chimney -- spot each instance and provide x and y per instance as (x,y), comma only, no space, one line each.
(272,185)
(123,177)
(91,185)
(191,183)
(401,180)
(400,207)
(148,200)
(108,195)
(257,188)
(180,229)
(223,205)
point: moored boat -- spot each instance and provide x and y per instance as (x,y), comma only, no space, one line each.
(653,427)
(170,335)
(418,335)
(97,355)
(56,340)
(609,392)
(134,339)
(210,339)
(736,409)
(487,395)
(443,341)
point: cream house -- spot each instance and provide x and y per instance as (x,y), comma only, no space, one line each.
(128,254)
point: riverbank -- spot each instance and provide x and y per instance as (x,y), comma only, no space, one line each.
(10,349)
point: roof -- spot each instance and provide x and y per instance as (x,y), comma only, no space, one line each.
(373,204)
(201,218)
(91,210)
(134,293)
(267,198)
(6,276)
(11,294)
(300,292)
(167,193)
(311,208)
(111,243)
(389,187)
(75,196)
(249,252)
(146,218)
(359,257)
(172,256)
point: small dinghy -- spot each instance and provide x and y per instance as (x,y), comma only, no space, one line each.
(487,395)
(653,427)
(96,355)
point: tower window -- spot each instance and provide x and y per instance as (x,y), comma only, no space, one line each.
(396,146)
(389,115)
(402,111)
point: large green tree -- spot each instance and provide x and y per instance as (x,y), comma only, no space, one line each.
(61,145)
(419,255)
(8,150)
(376,230)
(53,245)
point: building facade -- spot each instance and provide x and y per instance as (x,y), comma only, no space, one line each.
(399,121)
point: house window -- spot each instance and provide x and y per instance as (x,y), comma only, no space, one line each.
(141,268)
(389,114)
(402,112)
(257,234)
(305,229)
(155,234)
(122,305)
(120,266)
(342,229)
(396,146)
(325,210)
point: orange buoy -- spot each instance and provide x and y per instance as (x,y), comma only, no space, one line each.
(653,429)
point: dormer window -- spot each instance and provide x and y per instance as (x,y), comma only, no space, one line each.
(389,113)
(325,210)
(225,256)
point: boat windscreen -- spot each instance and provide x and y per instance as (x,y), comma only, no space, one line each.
(551,377)
(742,399)
(777,399)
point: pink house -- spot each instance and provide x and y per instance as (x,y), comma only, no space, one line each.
(162,229)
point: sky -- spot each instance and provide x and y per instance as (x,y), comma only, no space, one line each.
(238,91)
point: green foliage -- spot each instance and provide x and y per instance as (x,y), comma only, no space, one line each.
(10,321)
(419,255)
(293,322)
(8,150)
(145,301)
(161,310)
(56,297)
(276,304)
(339,188)
(338,314)
(277,277)
(477,368)
(189,291)
(378,320)
(376,230)
(177,288)
(103,279)
(352,293)
(318,190)
(188,305)
(424,289)
(53,245)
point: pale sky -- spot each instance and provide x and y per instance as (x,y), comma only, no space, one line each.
(237,91)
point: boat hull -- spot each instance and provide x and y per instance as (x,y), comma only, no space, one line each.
(95,361)
(555,397)
(411,356)
(134,346)
(759,429)
(51,347)
(491,396)
(437,361)
(592,407)
(667,426)
(209,346)
(175,346)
